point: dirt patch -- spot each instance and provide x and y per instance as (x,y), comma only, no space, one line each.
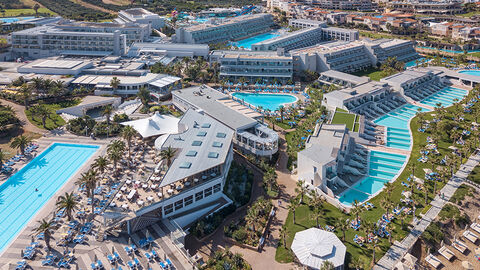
(117,2)
(88,5)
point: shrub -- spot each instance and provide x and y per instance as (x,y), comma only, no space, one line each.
(240,235)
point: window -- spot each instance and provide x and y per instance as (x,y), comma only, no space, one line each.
(206,125)
(208,192)
(198,196)
(168,209)
(216,188)
(201,134)
(213,155)
(314,169)
(188,200)
(191,153)
(178,205)
(221,135)
(217,144)
(196,143)
(185,165)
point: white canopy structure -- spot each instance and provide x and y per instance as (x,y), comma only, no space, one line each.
(314,246)
(154,125)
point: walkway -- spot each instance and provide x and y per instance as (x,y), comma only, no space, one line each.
(20,111)
(399,249)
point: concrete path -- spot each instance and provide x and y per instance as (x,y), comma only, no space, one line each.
(399,249)
(20,111)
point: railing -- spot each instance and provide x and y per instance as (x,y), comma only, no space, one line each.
(177,234)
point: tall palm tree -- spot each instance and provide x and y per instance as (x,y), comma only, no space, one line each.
(107,112)
(168,154)
(36,7)
(3,157)
(293,207)
(144,95)
(45,227)
(301,189)
(317,214)
(128,132)
(327,265)
(283,236)
(357,209)
(251,219)
(44,113)
(26,94)
(342,225)
(356,264)
(100,164)
(282,111)
(386,203)
(67,202)
(115,83)
(89,180)
(21,142)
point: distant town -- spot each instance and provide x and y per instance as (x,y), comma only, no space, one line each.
(272,134)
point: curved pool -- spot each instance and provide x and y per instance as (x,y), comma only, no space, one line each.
(266,101)
(470,72)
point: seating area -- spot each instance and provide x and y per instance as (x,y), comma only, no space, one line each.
(7,166)
(372,110)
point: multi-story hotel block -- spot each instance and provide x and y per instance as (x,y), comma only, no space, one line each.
(402,49)
(252,65)
(361,5)
(249,134)
(427,7)
(77,38)
(294,40)
(305,23)
(141,16)
(225,30)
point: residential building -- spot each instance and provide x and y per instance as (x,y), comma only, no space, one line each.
(225,30)
(360,5)
(254,65)
(250,135)
(341,79)
(305,23)
(427,7)
(168,49)
(382,49)
(140,16)
(336,33)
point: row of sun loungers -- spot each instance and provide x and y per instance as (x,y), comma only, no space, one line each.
(433,261)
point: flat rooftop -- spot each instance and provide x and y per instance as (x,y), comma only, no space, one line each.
(252,55)
(345,76)
(235,20)
(329,47)
(405,76)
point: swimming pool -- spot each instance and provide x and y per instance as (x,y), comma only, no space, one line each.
(267,101)
(47,172)
(382,168)
(471,72)
(446,50)
(248,42)
(445,96)
(14,19)
(420,61)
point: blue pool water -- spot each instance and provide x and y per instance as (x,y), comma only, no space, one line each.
(267,101)
(248,42)
(14,19)
(446,50)
(471,72)
(47,172)
(445,96)
(382,168)
(413,63)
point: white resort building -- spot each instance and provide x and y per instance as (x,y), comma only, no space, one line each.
(249,134)
(188,188)
(225,30)
(340,157)
(141,16)
(294,40)
(254,65)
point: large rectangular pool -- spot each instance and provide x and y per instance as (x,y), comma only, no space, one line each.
(47,172)
(248,42)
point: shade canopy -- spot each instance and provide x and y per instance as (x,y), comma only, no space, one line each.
(314,246)
(154,125)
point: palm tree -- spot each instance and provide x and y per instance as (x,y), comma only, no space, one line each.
(89,180)
(128,132)
(45,227)
(21,142)
(36,7)
(44,113)
(342,224)
(292,207)
(389,188)
(251,219)
(26,94)
(168,154)
(327,265)
(107,112)
(356,264)
(115,83)
(115,151)
(386,203)
(100,164)
(237,260)
(357,209)
(301,189)
(144,95)
(281,110)
(67,202)
(283,236)
(317,213)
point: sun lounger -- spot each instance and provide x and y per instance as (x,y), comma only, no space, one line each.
(446,253)
(470,236)
(131,265)
(460,246)
(137,262)
(433,261)
(475,227)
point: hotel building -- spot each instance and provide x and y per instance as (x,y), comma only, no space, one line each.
(249,134)
(141,16)
(192,182)
(227,30)
(254,65)
(360,5)
(403,50)
(294,40)
(427,7)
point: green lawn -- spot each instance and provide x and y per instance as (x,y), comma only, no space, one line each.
(25,12)
(344,118)
(304,214)
(462,192)
(469,14)
(373,73)
(54,120)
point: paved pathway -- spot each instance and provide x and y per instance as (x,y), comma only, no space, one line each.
(399,249)
(20,111)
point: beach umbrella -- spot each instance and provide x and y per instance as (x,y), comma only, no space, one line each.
(477,251)
(467,265)
(21,253)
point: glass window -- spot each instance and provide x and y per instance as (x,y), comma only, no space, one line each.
(208,192)
(206,125)
(216,188)
(168,209)
(191,153)
(186,165)
(179,204)
(221,135)
(196,143)
(188,200)
(217,144)
(213,155)
(198,196)
(202,134)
